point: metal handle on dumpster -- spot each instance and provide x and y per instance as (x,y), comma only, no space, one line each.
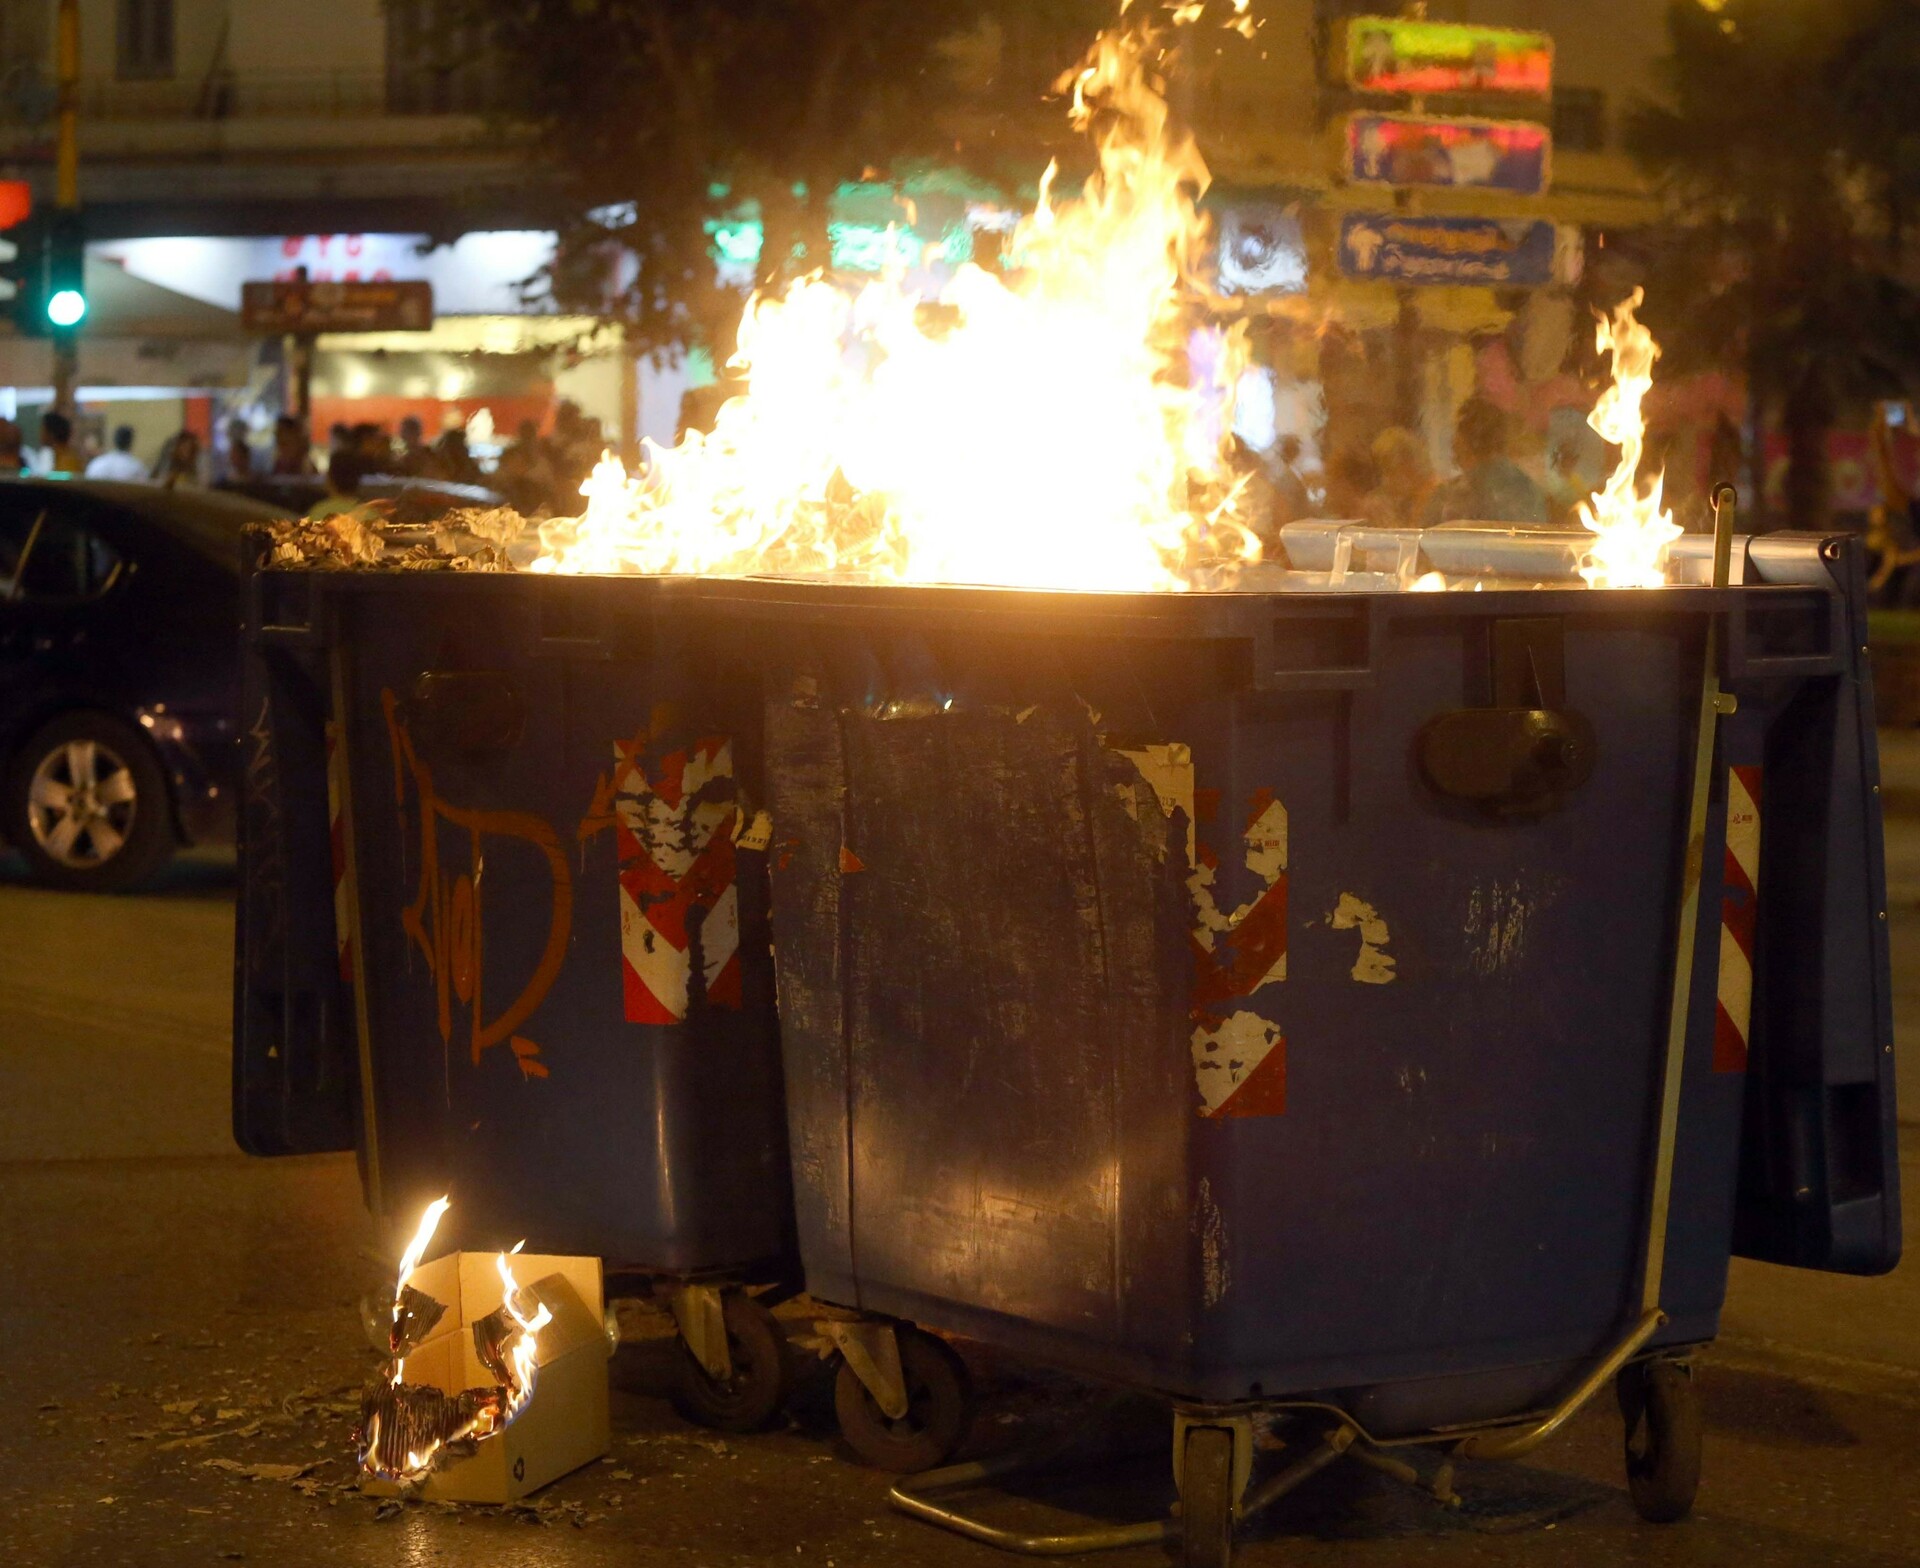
(471,713)
(1712,705)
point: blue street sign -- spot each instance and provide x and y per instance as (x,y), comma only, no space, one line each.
(1471,251)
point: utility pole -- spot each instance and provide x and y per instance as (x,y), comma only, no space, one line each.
(66,184)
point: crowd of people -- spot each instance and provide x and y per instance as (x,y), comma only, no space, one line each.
(535,471)
(1391,482)
(58,452)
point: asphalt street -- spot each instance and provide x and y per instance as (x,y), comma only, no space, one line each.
(175,1315)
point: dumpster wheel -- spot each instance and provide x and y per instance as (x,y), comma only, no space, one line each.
(939,1407)
(1662,1410)
(1206,1498)
(760,1378)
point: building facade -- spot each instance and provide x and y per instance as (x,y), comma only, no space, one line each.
(225,141)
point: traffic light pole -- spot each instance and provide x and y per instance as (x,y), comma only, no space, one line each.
(66,184)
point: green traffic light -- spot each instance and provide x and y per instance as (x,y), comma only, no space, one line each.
(66,307)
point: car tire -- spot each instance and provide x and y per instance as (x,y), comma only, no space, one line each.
(87,805)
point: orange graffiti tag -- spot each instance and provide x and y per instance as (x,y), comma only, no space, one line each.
(446,919)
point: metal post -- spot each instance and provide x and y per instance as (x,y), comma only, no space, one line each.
(66,180)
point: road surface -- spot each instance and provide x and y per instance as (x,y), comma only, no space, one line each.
(172,1312)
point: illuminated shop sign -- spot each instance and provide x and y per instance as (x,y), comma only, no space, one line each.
(1397,55)
(1429,150)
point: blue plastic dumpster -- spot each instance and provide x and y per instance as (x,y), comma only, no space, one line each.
(1258,997)
(505,906)
(1261,998)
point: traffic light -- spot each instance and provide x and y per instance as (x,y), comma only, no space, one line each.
(22,250)
(66,288)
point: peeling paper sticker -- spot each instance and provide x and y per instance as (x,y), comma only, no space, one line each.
(1240,1064)
(1374,966)
(674,819)
(757,835)
(1168,771)
(1239,1060)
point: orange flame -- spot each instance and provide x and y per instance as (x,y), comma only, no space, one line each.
(1631,527)
(1043,431)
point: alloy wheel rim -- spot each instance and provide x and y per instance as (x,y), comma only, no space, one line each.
(81,803)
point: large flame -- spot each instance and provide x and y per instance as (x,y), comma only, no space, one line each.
(1038,428)
(1631,527)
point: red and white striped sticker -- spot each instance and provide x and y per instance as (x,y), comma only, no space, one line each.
(337,829)
(674,822)
(1239,1057)
(1739,905)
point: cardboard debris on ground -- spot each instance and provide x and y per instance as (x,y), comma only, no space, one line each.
(563,1426)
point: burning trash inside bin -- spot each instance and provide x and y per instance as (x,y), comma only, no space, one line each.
(447,1401)
(1065,423)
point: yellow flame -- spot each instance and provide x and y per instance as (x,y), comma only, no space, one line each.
(1040,428)
(410,1260)
(525,1348)
(1631,528)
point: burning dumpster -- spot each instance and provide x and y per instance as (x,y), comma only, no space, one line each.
(1365,980)
(1267,998)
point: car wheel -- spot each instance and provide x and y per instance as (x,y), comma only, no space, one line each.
(87,805)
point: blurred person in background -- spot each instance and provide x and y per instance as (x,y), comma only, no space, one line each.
(1406,480)
(411,456)
(1290,501)
(1490,487)
(373,446)
(239,451)
(118,462)
(452,459)
(1893,523)
(345,471)
(1351,478)
(59,454)
(525,472)
(12,462)
(179,462)
(1566,489)
(1255,503)
(292,451)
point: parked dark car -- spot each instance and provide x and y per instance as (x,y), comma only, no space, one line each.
(119,616)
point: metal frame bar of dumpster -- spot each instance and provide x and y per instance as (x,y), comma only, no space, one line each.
(357,947)
(1713,703)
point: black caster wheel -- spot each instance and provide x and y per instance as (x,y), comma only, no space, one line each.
(1206,1498)
(762,1372)
(1662,1411)
(939,1408)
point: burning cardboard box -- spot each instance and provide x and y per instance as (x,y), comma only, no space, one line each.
(494,1387)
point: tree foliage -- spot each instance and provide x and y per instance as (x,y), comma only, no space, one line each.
(656,120)
(1790,154)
